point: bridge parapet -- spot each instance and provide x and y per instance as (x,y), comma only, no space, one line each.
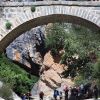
(48,3)
(11,8)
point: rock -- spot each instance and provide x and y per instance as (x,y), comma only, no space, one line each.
(48,60)
(67,82)
(1,98)
(52,79)
(40,86)
(26,43)
(38,59)
(15,97)
(59,68)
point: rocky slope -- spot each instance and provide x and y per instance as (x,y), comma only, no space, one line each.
(51,77)
(24,48)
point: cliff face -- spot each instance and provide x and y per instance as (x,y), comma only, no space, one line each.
(24,48)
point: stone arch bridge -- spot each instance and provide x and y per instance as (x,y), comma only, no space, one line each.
(86,13)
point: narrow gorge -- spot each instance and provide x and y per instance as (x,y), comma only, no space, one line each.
(29,52)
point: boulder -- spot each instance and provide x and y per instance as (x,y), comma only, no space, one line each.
(51,78)
(40,86)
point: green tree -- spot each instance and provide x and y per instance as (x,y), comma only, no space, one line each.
(83,43)
(96,72)
(55,38)
(80,44)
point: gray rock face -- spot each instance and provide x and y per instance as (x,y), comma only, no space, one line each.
(25,43)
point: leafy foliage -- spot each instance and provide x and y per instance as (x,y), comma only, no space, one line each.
(8,25)
(96,71)
(17,78)
(81,47)
(55,38)
(89,73)
(54,51)
(33,8)
(6,92)
(84,44)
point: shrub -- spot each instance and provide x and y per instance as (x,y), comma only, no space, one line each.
(54,51)
(15,76)
(6,92)
(8,25)
(55,37)
(63,58)
(33,8)
(96,72)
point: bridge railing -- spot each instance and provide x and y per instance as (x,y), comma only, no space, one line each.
(46,3)
(41,0)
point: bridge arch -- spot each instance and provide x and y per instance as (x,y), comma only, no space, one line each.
(44,15)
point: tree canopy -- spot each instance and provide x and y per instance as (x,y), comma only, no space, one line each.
(81,48)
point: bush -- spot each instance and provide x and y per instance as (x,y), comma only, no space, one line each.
(14,75)
(54,51)
(33,8)
(96,72)
(6,92)
(8,25)
(64,58)
(55,37)
(80,80)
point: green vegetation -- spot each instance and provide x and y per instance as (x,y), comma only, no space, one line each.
(6,92)
(96,72)
(33,8)
(55,38)
(18,79)
(81,50)
(89,74)
(8,25)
